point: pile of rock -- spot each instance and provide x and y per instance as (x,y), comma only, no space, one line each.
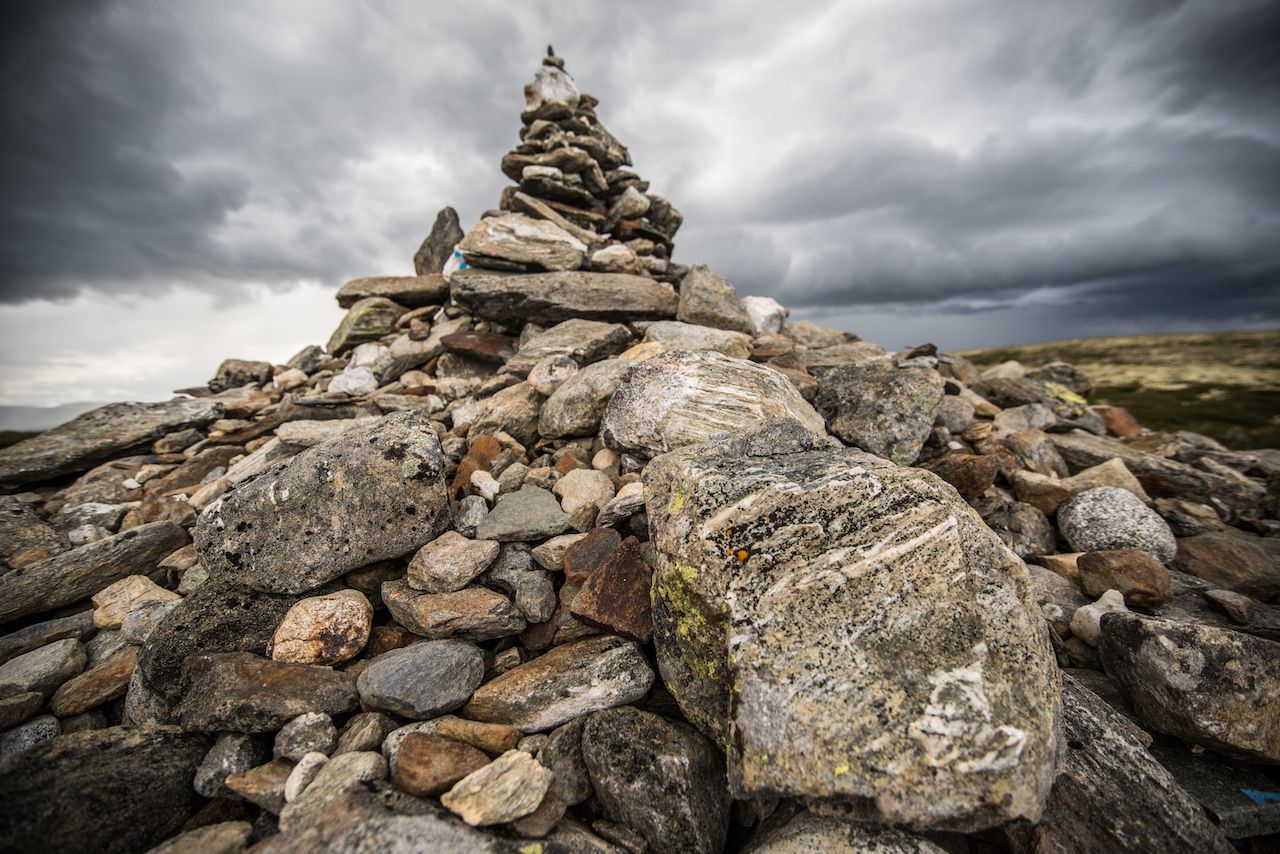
(559,546)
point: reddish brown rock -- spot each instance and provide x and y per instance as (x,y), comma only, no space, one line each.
(97,685)
(485,346)
(263,785)
(970,474)
(386,638)
(473,613)
(1140,578)
(494,739)
(616,595)
(582,558)
(1239,562)
(1118,420)
(428,765)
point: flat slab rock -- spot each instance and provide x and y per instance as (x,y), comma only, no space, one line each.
(851,632)
(683,398)
(115,790)
(408,291)
(79,573)
(547,298)
(371,494)
(99,435)
(242,692)
(1111,794)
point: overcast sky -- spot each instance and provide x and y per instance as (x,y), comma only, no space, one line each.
(185,180)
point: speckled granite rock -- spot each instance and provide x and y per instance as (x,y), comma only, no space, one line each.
(370,494)
(1108,517)
(880,408)
(883,652)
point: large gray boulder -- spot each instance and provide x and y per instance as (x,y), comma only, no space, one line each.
(850,632)
(683,398)
(547,298)
(370,494)
(100,435)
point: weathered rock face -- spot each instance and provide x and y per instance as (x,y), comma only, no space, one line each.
(1111,518)
(423,680)
(663,780)
(79,573)
(446,232)
(707,299)
(523,241)
(368,495)
(408,291)
(368,319)
(1110,794)
(880,408)
(101,435)
(851,633)
(117,790)
(576,406)
(1245,564)
(552,297)
(806,832)
(1208,685)
(683,398)
(240,692)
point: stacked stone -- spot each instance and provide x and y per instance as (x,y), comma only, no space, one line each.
(543,557)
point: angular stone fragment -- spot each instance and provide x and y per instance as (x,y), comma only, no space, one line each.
(423,680)
(615,596)
(677,335)
(450,562)
(585,341)
(95,686)
(1110,794)
(708,299)
(326,629)
(576,406)
(589,553)
(662,779)
(507,788)
(1207,685)
(1140,578)
(99,435)
(564,683)
(547,298)
(529,513)
(312,732)
(367,495)
(79,573)
(970,474)
(25,736)
(262,785)
(225,837)
(429,765)
(40,634)
(232,753)
(368,319)
(473,613)
(438,245)
(1237,561)
(785,630)
(583,488)
(233,373)
(513,411)
(522,240)
(113,602)
(111,789)
(682,398)
(1110,518)
(241,692)
(880,408)
(407,291)
(350,772)
(19,708)
(26,538)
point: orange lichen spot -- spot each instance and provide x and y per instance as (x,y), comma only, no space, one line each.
(742,554)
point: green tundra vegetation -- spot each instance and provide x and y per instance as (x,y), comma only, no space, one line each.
(1221,384)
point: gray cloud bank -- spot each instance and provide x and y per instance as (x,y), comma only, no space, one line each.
(1117,160)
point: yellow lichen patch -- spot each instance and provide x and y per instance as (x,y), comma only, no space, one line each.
(531,848)
(842,770)
(678,501)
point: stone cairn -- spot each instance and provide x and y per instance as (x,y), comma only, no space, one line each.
(561,546)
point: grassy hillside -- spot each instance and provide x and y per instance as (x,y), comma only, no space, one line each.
(1222,384)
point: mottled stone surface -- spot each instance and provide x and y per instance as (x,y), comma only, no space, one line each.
(576,406)
(327,629)
(523,240)
(548,298)
(225,837)
(1108,517)
(564,683)
(615,595)
(423,680)
(1208,685)
(662,779)
(79,573)
(114,790)
(584,341)
(507,788)
(827,617)
(473,613)
(25,537)
(676,335)
(450,562)
(1237,561)
(683,398)
(429,765)
(1140,578)
(370,494)
(808,833)
(42,670)
(368,319)
(97,685)
(529,513)
(241,692)
(100,435)
(312,732)
(1110,794)
(880,408)
(232,753)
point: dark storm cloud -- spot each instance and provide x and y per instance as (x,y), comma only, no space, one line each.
(1114,157)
